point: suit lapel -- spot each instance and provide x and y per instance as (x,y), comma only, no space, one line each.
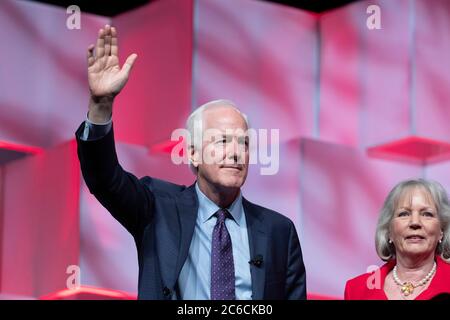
(257,236)
(187,205)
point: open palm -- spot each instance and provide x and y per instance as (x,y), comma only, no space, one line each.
(105,76)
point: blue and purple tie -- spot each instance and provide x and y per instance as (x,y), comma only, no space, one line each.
(222,264)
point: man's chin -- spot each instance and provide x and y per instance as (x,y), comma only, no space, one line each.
(231,183)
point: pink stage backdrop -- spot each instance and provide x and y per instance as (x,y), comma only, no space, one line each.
(43,72)
(158,96)
(261,56)
(40,223)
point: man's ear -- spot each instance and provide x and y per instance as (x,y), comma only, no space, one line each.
(194,156)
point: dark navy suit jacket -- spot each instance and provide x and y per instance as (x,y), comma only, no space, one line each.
(161,217)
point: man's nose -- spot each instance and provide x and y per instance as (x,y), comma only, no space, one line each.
(233,150)
(232,147)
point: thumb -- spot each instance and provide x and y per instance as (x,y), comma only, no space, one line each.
(128,65)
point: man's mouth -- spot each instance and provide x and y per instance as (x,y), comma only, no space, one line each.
(228,166)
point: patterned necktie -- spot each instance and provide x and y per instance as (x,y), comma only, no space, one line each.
(222,264)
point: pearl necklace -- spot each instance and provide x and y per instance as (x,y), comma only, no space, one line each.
(407,288)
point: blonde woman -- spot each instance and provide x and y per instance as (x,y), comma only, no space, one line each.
(413,237)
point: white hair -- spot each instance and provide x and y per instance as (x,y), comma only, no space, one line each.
(194,123)
(386,250)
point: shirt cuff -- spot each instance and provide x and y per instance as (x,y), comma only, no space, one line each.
(94,131)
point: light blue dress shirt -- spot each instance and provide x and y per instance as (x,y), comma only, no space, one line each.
(194,282)
(195,278)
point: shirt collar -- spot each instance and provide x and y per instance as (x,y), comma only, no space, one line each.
(207,208)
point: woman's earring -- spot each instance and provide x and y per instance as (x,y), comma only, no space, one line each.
(390,241)
(440,241)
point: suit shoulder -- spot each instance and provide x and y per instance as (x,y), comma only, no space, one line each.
(272,215)
(355,287)
(444,267)
(162,187)
(358,280)
(365,286)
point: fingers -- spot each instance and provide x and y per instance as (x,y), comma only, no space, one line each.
(114,47)
(90,55)
(107,40)
(128,65)
(100,47)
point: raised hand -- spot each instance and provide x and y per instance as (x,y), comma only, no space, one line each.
(106,78)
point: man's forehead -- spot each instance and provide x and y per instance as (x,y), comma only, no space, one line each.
(226,132)
(223,119)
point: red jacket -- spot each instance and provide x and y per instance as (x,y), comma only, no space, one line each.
(358,288)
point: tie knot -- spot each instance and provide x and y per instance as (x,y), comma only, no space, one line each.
(222,214)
